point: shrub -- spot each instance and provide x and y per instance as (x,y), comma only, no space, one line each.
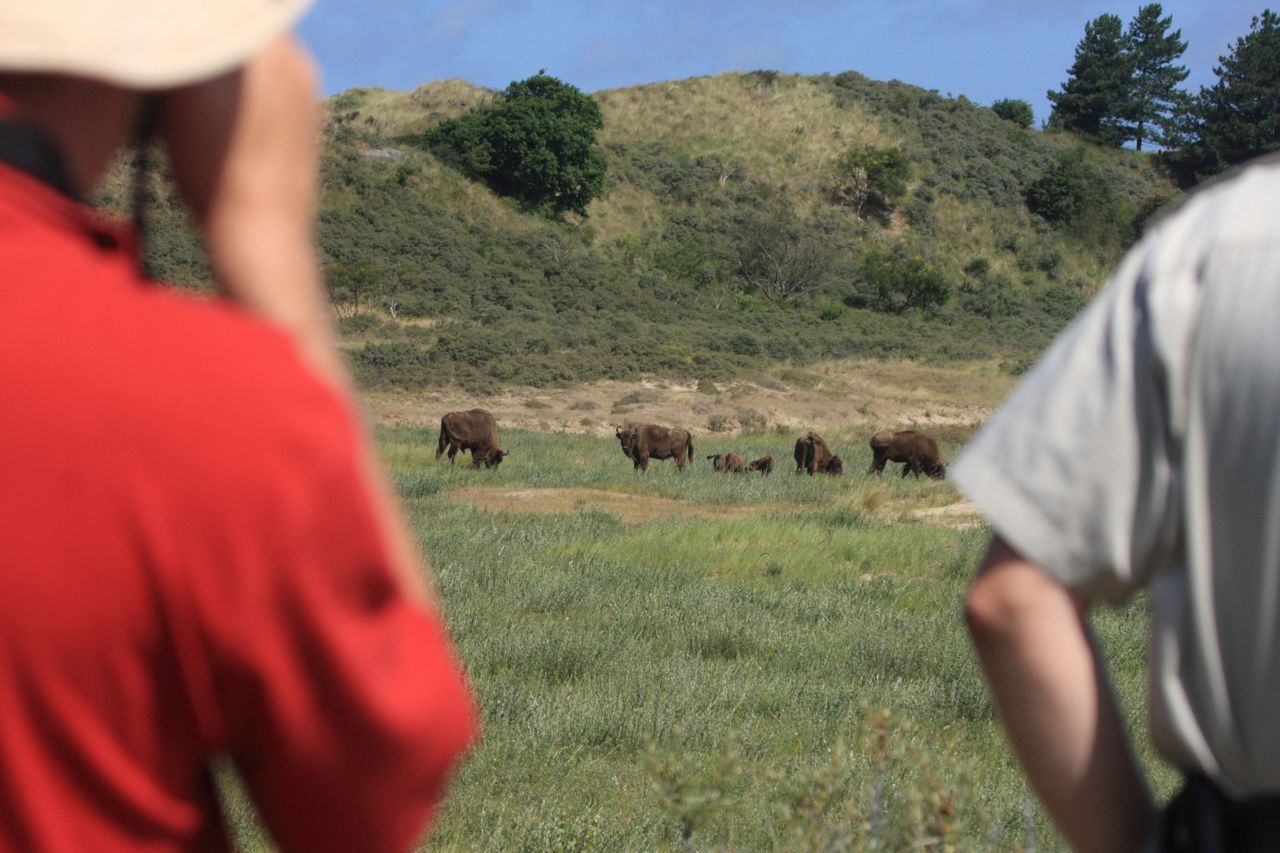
(893,285)
(871,174)
(1014,110)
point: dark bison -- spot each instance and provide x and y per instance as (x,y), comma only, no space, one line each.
(473,431)
(717,462)
(813,455)
(916,451)
(764,465)
(642,442)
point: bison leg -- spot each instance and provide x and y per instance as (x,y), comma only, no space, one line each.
(877,463)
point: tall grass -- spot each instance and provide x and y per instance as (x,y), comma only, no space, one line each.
(792,679)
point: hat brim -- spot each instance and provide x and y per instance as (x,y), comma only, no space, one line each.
(145,44)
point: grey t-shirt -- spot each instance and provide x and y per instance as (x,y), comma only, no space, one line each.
(1143,449)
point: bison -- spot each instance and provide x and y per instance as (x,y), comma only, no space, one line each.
(728,463)
(642,442)
(764,465)
(916,451)
(813,455)
(473,431)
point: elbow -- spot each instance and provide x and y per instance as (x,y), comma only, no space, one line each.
(988,615)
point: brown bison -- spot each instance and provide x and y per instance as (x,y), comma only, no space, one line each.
(473,431)
(813,455)
(728,463)
(642,442)
(916,451)
(764,465)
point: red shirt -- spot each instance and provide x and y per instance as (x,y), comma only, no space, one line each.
(189,567)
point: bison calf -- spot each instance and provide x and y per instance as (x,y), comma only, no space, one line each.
(916,451)
(764,465)
(728,463)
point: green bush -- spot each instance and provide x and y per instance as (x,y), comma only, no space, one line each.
(1014,110)
(536,144)
(893,284)
(871,174)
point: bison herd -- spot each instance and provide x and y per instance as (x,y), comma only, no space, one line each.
(476,432)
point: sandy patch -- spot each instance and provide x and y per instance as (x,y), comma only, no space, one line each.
(961,515)
(633,509)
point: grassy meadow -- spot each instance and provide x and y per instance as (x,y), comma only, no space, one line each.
(717,662)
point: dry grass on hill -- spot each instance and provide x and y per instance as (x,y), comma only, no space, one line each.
(844,399)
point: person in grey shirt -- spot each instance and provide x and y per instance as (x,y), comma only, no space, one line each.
(1143,451)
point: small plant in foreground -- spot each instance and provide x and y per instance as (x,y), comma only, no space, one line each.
(690,789)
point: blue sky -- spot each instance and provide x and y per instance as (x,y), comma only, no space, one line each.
(983,49)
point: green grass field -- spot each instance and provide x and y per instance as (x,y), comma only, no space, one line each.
(779,665)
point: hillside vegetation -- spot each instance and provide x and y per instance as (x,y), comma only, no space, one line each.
(714,184)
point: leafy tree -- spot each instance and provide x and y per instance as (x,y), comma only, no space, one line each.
(874,174)
(1014,110)
(1156,101)
(537,143)
(1098,88)
(894,284)
(1237,118)
(352,286)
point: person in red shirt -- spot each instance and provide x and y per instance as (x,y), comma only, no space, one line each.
(199,556)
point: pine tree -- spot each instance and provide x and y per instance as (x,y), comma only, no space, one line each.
(1237,118)
(1156,104)
(1097,93)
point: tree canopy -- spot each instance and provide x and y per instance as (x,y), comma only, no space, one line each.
(1156,102)
(1238,117)
(537,143)
(1124,84)
(1093,99)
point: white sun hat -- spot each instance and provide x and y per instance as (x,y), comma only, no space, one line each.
(139,44)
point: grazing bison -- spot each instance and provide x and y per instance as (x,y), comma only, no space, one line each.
(916,451)
(734,464)
(834,466)
(642,442)
(717,462)
(764,465)
(813,455)
(473,431)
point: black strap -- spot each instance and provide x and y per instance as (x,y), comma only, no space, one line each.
(28,150)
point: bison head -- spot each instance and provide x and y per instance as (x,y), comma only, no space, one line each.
(494,458)
(627,438)
(835,466)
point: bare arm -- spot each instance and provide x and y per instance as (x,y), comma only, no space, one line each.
(245,156)
(1056,703)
